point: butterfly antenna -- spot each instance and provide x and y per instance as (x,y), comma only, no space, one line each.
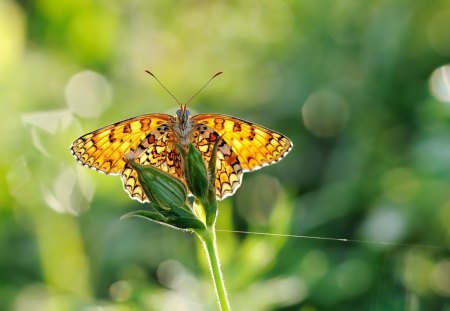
(150,73)
(217,74)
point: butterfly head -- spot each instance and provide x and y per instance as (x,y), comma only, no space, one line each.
(183,114)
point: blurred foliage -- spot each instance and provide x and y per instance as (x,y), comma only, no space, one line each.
(348,81)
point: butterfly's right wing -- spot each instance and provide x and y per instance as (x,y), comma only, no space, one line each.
(228,169)
(254,144)
(245,146)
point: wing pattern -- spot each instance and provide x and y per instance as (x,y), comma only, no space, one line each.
(150,139)
(104,149)
(158,150)
(254,145)
(228,169)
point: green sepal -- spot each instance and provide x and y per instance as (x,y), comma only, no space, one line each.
(161,188)
(196,173)
(210,204)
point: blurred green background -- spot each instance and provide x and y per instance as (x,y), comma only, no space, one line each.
(361,87)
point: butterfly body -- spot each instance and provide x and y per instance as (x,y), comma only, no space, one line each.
(151,140)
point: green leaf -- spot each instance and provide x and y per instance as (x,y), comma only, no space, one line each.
(186,223)
(153,216)
(172,221)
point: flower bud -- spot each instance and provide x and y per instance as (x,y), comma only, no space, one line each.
(196,173)
(160,187)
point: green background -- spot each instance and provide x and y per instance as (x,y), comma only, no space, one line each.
(350,82)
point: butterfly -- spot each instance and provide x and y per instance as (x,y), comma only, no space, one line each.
(151,140)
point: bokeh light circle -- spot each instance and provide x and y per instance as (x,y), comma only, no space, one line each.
(325,113)
(88,94)
(120,291)
(171,273)
(440,84)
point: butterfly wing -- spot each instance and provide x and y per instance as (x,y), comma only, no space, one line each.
(254,145)
(245,146)
(158,150)
(228,169)
(104,149)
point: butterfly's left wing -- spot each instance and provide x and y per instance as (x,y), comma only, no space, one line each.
(254,145)
(104,149)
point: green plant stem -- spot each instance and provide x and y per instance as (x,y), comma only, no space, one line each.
(208,238)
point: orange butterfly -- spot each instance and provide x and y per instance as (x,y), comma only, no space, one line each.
(151,139)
